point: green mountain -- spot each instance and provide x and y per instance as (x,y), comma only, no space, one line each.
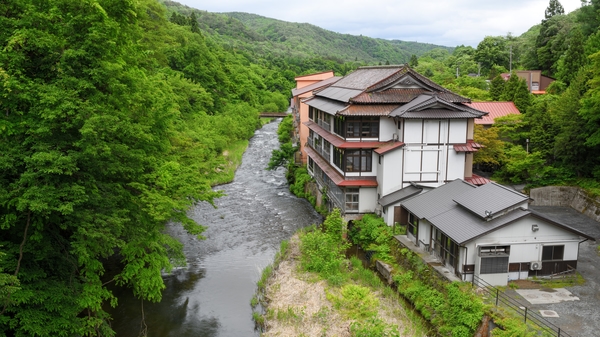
(270,37)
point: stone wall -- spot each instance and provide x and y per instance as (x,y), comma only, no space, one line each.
(573,197)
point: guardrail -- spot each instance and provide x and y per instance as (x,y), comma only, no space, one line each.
(529,316)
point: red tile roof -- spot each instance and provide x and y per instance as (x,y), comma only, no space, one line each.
(470,146)
(477,180)
(389,146)
(494,110)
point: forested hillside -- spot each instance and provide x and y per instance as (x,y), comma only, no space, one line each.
(301,43)
(114,121)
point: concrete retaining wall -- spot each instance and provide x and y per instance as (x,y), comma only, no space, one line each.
(573,197)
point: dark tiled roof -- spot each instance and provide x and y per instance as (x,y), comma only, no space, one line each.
(388,96)
(364,77)
(399,195)
(433,106)
(436,114)
(314,86)
(368,110)
(490,197)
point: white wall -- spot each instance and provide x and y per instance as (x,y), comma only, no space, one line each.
(387,128)
(456,165)
(458,131)
(390,179)
(367,199)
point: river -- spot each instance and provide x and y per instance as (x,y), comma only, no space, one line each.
(211,296)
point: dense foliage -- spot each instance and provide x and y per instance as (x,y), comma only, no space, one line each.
(114,122)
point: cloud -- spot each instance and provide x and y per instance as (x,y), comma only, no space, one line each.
(448,23)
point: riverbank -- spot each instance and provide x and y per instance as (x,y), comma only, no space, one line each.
(299,303)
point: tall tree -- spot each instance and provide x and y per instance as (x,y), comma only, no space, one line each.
(497,88)
(554,8)
(573,59)
(515,90)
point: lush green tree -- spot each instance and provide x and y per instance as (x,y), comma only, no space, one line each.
(414,61)
(589,16)
(542,129)
(573,59)
(570,149)
(551,42)
(497,87)
(516,91)
(492,154)
(493,50)
(554,8)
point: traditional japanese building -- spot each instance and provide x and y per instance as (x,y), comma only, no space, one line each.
(381,134)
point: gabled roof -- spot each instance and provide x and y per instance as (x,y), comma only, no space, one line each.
(492,197)
(494,110)
(463,227)
(430,105)
(458,209)
(396,91)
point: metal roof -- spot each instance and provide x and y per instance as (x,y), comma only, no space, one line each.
(317,85)
(399,195)
(494,110)
(338,94)
(438,200)
(462,226)
(324,104)
(490,197)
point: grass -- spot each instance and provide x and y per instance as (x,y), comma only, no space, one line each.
(233,158)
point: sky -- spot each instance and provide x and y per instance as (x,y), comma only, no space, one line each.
(448,23)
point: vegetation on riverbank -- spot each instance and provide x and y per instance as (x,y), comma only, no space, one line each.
(314,290)
(313,284)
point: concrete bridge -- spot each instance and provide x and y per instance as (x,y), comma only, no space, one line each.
(273,114)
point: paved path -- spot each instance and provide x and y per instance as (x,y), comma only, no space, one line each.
(577,318)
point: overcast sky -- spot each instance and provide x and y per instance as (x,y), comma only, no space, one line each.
(448,23)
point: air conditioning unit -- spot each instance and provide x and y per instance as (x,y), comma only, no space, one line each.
(395,137)
(535,265)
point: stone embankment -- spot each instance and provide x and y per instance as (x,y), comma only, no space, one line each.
(567,196)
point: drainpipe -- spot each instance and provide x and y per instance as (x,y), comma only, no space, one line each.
(463,269)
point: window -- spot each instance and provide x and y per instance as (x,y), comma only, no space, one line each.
(413,224)
(338,157)
(365,127)
(351,199)
(311,113)
(553,253)
(358,161)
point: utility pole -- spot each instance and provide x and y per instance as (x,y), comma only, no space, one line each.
(510,62)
